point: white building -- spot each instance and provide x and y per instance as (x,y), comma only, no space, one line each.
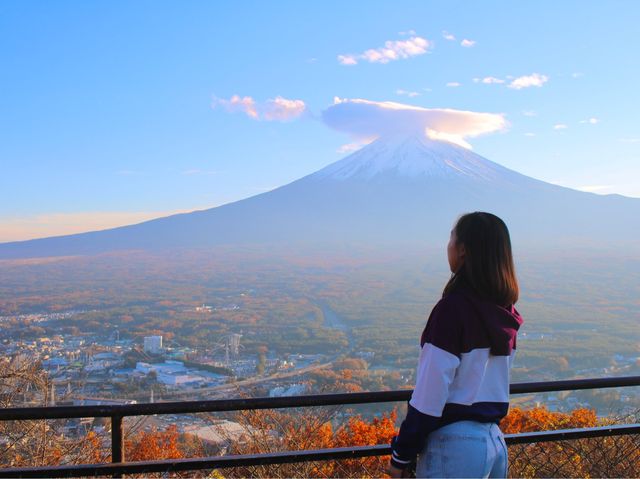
(234,344)
(152,344)
(177,379)
(293,390)
(221,432)
(168,367)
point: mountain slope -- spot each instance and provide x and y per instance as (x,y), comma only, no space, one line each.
(393,192)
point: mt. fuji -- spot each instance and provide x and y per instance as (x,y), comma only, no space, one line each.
(413,156)
(399,190)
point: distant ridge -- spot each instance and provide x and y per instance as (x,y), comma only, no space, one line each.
(396,191)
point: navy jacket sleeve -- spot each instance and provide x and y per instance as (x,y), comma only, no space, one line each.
(439,360)
(412,437)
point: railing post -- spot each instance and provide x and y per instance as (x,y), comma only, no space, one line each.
(117,441)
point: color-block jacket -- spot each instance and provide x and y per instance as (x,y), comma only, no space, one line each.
(463,372)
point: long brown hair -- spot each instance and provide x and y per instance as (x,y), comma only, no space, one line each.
(488,267)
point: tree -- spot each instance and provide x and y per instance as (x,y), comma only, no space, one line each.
(594,457)
(37,442)
(271,431)
(154,445)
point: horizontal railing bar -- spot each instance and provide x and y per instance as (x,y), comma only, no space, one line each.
(216,462)
(288,457)
(222,405)
(216,405)
(572,434)
(574,384)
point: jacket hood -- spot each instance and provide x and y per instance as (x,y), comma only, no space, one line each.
(501,324)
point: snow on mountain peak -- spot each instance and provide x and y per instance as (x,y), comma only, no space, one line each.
(412,156)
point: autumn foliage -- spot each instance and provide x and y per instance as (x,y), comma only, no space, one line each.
(541,419)
(268,431)
(616,456)
(154,445)
(29,443)
(271,431)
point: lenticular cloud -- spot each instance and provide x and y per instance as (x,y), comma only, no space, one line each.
(364,119)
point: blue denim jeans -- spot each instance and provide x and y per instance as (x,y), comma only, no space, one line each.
(464,449)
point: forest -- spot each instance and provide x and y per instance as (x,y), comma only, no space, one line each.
(581,310)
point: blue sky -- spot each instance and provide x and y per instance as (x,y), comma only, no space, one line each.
(113,112)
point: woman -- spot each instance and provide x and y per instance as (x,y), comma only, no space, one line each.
(468,345)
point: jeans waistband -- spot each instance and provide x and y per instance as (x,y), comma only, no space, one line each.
(469,426)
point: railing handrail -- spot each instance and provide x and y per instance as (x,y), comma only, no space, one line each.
(286,457)
(119,465)
(240,404)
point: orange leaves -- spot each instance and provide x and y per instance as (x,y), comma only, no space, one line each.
(93,447)
(154,445)
(592,457)
(541,419)
(271,431)
(312,431)
(358,432)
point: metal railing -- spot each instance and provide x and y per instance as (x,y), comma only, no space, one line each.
(119,466)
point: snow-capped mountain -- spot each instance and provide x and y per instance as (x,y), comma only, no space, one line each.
(414,156)
(394,191)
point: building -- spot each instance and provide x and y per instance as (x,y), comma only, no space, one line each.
(221,432)
(178,379)
(234,344)
(174,373)
(293,390)
(153,344)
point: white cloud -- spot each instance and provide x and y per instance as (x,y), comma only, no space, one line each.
(282,109)
(591,121)
(535,79)
(347,59)
(448,36)
(560,126)
(529,134)
(488,80)
(453,84)
(595,188)
(275,109)
(407,33)
(392,50)
(529,113)
(410,94)
(629,140)
(365,119)
(236,103)
(467,43)
(57,224)
(577,74)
